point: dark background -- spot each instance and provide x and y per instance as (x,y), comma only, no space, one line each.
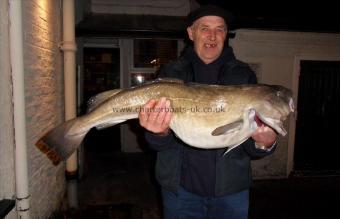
(314,16)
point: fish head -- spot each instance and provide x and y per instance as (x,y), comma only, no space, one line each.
(274,108)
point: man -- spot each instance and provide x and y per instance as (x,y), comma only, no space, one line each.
(198,183)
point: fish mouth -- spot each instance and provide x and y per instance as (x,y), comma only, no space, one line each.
(291,105)
(275,124)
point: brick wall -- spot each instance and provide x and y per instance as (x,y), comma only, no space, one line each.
(42,24)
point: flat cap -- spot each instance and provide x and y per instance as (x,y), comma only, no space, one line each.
(209,10)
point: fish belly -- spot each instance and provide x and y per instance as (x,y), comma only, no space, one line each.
(200,135)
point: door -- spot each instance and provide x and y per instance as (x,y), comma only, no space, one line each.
(101,73)
(317,146)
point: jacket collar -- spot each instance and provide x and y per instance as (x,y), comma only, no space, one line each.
(226,56)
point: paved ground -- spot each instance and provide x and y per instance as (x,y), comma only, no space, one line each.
(296,198)
(122,187)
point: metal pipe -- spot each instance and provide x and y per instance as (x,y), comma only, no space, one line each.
(69,48)
(17,65)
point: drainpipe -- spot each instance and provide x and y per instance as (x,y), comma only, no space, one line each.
(17,65)
(69,48)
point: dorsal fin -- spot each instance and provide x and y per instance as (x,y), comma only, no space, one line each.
(162,80)
(193,84)
(171,80)
(94,101)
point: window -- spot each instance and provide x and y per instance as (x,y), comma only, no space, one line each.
(152,53)
(149,55)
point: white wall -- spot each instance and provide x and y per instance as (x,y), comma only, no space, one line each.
(7,176)
(42,26)
(277,54)
(44,104)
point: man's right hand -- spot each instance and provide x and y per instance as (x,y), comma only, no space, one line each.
(155,116)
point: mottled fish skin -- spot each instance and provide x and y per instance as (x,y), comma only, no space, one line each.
(204,116)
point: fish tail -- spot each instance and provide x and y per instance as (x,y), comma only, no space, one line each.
(57,144)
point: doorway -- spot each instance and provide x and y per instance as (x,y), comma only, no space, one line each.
(316,138)
(101,73)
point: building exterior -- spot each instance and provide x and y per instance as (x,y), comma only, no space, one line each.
(274,55)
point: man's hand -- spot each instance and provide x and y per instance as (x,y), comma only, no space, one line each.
(264,136)
(155,116)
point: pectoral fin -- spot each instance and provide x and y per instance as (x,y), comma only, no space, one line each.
(232,147)
(228,128)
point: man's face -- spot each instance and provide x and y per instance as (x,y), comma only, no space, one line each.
(208,34)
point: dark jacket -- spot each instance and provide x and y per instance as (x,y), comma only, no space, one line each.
(233,172)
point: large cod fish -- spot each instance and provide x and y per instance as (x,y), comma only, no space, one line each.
(203,116)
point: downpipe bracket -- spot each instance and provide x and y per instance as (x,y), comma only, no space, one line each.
(68,46)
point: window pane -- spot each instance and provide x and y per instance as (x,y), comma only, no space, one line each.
(150,53)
